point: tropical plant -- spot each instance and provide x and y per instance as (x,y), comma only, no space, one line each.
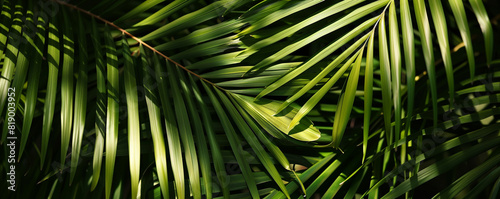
(250,99)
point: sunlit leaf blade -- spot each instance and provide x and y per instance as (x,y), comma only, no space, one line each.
(277,15)
(346,102)
(320,75)
(353,189)
(185,133)
(208,48)
(309,105)
(480,88)
(385,76)
(395,56)
(251,82)
(8,66)
(484,22)
(5,22)
(442,34)
(171,124)
(234,142)
(138,9)
(218,162)
(325,174)
(325,52)
(52,189)
(203,155)
(263,112)
(409,57)
(159,147)
(306,175)
(155,125)
(53,57)
(101,100)
(238,183)
(458,9)
(427,47)
(263,9)
(160,14)
(338,7)
(238,71)
(219,60)
(67,90)
(275,150)
(254,143)
(133,123)
(351,17)
(97,160)
(337,184)
(80,98)
(33,78)
(206,13)
(18,62)
(368,93)
(112,112)
(202,35)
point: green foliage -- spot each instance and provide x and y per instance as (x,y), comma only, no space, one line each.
(250,99)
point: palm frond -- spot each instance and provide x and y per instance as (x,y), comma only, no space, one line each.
(333,99)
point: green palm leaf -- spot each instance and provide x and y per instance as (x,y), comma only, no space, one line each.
(119,81)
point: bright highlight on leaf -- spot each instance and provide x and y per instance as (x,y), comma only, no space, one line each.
(264,111)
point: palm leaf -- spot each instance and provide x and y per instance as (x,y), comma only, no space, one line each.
(270,70)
